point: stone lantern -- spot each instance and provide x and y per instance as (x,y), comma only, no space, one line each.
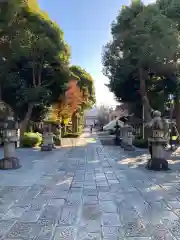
(157,143)
(48,142)
(10,161)
(59,134)
(128,129)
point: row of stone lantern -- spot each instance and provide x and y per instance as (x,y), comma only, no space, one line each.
(156,141)
(10,139)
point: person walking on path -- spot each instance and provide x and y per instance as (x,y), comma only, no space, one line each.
(91,128)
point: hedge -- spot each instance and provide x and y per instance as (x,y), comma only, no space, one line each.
(140,143)
(31,139)
(71,135)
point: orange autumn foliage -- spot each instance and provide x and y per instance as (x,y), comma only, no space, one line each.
(73,96)
(69,103)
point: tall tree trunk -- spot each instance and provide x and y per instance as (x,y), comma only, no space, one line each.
(26,119)
(177,111)
(74,123)
(145,100)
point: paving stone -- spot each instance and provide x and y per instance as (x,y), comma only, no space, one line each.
(90,200)
(135,229)
(38,204)
(56,202)
(24,231)
(59,193)
(77,185)
(90,192)
(5,227)
(65,233)
(69,216)
(103,188)
(46,233)
(140,238)
(127,214)
(90,226)
(160,232)
(105,196)
(107,206)
(112,233)
(31,216)
(173,204)
(49,216)
(73,200)
(14,213)
(110,219)
(91,213)
(84,235)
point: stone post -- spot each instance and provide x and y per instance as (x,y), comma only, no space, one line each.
(48,142)
(117,134)
(18,138)
(129,138)
(59,135)
(157,142)
(123,136)
(10,160)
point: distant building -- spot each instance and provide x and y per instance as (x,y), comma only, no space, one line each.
(91,117)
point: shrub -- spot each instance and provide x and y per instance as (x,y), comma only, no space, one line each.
(71,135)
(56,140)
(140,143)
(31,139)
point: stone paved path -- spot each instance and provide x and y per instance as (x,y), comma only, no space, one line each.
(87,192)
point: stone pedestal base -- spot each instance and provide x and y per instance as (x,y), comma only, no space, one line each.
(129,148)
(157,164)
(158,161)
(60,142)
(9,163)
(122,144)
(117,142)
(46,147)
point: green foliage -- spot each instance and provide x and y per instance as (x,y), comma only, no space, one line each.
(36,57)
(71,135)
(34,61)
(86,84)
(31,139)
(57,140)
(143,38)
(140,143)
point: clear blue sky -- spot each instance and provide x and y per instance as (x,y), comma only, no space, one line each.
(86,26)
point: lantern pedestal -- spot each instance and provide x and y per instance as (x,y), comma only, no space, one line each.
(127,142)
(158,161)
(157,143)
(48,143)
(9,161)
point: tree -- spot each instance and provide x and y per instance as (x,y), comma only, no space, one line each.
(171,9)
(37,63)
(144,44)
(68,103)
(86,85)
